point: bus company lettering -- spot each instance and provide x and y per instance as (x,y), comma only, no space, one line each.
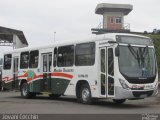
(63,70)
(68,70)
(57,70)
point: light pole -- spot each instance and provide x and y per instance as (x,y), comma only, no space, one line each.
(54,36)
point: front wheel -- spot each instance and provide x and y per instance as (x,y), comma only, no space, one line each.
(120,101)
(85,94)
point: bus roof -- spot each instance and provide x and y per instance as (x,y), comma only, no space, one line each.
(109,36)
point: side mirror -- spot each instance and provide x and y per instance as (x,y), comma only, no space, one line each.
(117,53)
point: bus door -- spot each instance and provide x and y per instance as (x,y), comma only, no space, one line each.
(107,88)
(110,73)
(103,72)
(47,63)
(15,73)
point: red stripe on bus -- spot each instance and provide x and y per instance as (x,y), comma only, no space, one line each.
(62,75)
(6,78)
(59,74)
(39,76)
(21,76)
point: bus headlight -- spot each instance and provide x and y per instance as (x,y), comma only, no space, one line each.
(124,85)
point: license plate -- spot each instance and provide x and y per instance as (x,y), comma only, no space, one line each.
(143,96)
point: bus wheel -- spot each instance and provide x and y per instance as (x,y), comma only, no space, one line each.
(25,91)
(54,96)
(85,94)
(120,101)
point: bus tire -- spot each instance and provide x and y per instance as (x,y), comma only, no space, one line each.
(85,94)
(119,101)
(25,91)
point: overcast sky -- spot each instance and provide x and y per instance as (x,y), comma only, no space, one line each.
(70,19)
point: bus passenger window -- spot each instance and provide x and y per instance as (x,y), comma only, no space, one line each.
(7,61)
(55,57)
(110,62)
(24,62)
(33,62)
(50,62)
(85,54)
(65,56)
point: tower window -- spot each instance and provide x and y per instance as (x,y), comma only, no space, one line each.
(118,20)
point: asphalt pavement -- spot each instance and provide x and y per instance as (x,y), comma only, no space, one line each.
(12,103)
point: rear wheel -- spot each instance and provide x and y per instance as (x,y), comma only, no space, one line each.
(25,91)
(85,94)
(120,101)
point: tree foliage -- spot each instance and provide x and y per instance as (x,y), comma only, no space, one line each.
(156,41)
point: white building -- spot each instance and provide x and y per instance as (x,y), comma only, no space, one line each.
(12,37)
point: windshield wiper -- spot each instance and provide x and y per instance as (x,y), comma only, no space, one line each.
(132,51)
(135,54)
(145,51)
(143,54)
(139,55)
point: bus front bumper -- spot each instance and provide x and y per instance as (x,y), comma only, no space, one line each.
(134,94)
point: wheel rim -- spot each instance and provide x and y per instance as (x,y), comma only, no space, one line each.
(85,94)
(24,90)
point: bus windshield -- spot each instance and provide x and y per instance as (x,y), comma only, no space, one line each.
(137,61)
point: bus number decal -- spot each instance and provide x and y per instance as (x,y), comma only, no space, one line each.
(83,75)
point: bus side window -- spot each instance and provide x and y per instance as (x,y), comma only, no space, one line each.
(7,62)
(55,57)
(33,62)
(65,56)
(85,54)
(24,61)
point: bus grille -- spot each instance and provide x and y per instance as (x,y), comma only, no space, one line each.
(141,81)
(139,93)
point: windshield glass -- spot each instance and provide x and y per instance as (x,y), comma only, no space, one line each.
(137,61)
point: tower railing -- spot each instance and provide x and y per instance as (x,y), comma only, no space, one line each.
(101,30)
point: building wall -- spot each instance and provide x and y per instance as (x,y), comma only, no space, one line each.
(107,20)
(17,42)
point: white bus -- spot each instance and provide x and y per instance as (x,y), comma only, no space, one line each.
(114,65)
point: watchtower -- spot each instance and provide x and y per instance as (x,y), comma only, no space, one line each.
(113,16)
